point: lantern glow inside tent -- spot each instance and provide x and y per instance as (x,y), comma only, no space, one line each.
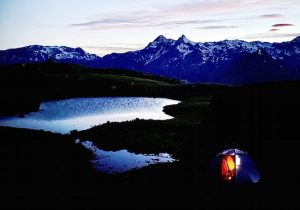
(228,167)
(235,166)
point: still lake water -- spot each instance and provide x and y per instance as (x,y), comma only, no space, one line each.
(111,162)
(63,116)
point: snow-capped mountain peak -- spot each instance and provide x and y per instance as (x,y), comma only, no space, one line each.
(185,40)
(228,61)
(160,40)
(296,40)
(38,53)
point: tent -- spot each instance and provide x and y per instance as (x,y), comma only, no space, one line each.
(235,166)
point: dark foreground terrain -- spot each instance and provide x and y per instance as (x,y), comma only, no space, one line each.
(45,170)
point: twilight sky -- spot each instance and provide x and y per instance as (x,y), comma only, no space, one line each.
(105,26)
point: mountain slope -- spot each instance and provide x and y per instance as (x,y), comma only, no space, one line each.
(37,54)
(226,62)
(211,62)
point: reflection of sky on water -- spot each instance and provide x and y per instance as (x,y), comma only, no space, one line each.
(82,113)
(121,161)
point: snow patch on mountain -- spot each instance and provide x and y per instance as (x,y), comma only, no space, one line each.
(184,49)
(160,52)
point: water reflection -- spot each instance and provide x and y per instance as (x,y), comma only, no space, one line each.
(121,161)
(62,116)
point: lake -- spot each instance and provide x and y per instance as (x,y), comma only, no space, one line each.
(63,116)
(111,162)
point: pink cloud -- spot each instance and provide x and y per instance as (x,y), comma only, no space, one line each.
(271,16)
(282,25)
(176,14)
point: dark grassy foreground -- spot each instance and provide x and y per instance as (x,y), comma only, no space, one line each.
(40,169)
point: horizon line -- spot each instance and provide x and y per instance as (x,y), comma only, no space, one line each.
(294,36)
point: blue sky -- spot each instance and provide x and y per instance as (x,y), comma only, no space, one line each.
(102,26)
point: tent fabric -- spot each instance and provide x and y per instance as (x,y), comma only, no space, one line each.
(243,172)
(232,152)
(247,173)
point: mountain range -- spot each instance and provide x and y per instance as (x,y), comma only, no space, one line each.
(225,62)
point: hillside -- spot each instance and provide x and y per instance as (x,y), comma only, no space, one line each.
(29,84)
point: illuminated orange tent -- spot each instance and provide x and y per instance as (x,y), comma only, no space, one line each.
(235,166)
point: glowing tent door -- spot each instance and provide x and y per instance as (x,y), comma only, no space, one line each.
(228,168)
